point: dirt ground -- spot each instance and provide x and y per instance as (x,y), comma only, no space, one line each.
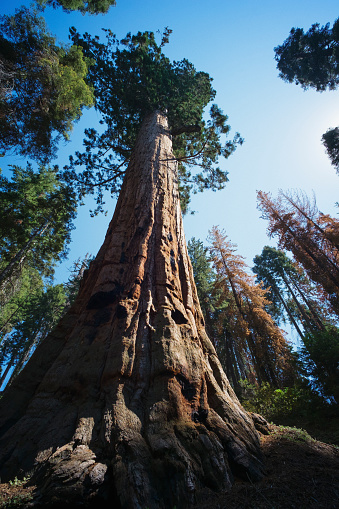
(301,473)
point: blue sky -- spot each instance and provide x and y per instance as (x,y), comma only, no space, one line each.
(282,125)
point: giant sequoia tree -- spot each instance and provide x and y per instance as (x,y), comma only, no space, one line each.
(126,399)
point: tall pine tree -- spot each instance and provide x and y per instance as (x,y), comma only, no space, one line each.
(36,224)
(260,340)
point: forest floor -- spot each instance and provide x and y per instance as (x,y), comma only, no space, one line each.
(301,473)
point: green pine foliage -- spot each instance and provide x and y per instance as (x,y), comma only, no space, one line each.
(287,405)
(320,359)
(268,267)
(331,142)
(35,227)
(306,309)
(271,402)
(204,276)
(310,59)
(84,6)
(32,313)
(12,301)
(215,309)
(41,311)
(78,270)
(43,89)
(288,283)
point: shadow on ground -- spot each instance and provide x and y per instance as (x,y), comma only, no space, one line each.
(301,473)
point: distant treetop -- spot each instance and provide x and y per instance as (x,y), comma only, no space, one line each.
(310,59)
(84,6)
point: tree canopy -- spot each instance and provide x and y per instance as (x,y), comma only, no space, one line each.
(310,59)
(331,142)
(84,6)
(43,86)
(132,78)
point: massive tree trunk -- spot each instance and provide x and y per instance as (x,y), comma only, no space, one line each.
(126,399)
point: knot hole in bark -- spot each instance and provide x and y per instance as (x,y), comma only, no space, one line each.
(200,415)
(102,299)
(178,317)
(188,390)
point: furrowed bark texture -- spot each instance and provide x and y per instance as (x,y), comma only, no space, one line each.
(126,399)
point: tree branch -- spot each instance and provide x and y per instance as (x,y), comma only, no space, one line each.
(185,158)
(117,173)
(186,129)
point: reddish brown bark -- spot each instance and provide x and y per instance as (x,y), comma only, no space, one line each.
(126,399)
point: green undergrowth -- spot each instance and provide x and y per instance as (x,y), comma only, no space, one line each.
(294,434)
(297,406)
(16,493)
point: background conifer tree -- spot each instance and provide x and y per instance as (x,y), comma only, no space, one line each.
(36,224)
(312,238)
(32,313)
(43,86)
(256,335)
(311,59)
(312,245)
(291,291)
